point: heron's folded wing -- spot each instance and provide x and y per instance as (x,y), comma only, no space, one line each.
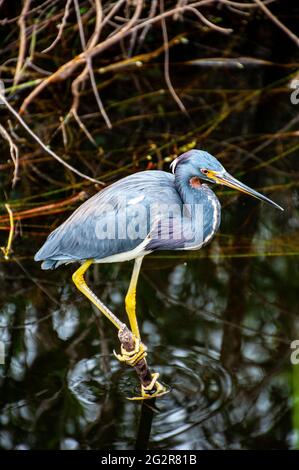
(115,220)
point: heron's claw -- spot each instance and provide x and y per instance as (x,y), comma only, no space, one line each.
(153,390)
(132,357)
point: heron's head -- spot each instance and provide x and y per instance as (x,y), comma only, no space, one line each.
(196,165)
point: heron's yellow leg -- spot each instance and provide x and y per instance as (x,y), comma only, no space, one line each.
(131,298)
(154,389)
(139,353)
(79,281)
(130,357)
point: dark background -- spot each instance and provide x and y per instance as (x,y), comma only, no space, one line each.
(219,322)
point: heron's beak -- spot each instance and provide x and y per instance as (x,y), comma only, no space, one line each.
(228,180)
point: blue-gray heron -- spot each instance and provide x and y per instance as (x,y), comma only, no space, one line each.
(141,213)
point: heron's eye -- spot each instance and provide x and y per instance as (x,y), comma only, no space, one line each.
(204,171)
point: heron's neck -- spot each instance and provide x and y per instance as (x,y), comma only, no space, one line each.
(194,193)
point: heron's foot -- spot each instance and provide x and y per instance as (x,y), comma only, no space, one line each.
(132,357)
(154,390)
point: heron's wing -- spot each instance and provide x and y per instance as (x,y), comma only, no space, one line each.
(116,220)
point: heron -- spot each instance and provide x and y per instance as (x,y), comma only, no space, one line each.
(142,213)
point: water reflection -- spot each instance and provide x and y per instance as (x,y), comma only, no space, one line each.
(62,387)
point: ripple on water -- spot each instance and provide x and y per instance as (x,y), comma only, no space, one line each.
(200,386)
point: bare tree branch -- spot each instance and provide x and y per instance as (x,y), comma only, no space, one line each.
(45,147)
(22,47)
(61,27)
(275,20)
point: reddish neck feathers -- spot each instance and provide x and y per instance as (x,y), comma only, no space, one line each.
(195,182)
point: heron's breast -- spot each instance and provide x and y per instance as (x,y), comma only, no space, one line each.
(211,216)
(207,219)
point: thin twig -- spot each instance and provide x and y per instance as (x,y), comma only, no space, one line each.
(275,20)
(244,5)
(180,3)
(22,46)
(209,23)
(47,209)
(61,27)
(140,59)
(14,153)
(7,249)
(45,147)
(112,12)
(152,12)
(166,63)
(88,69)
(82,126)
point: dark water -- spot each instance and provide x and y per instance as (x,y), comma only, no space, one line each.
(218,323)
(218,330)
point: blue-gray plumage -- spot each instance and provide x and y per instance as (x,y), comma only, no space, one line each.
(142,213)
(85,234)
